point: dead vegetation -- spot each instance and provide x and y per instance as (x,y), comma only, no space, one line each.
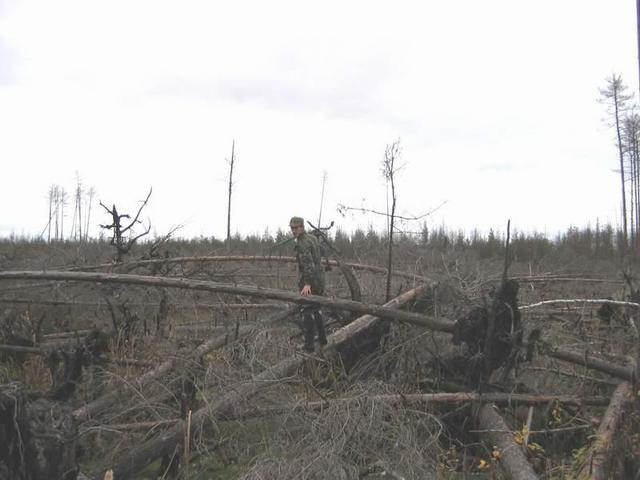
(189,366)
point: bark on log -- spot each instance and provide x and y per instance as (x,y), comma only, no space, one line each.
(135,459)
(512,460)
(251,291)
(602,448)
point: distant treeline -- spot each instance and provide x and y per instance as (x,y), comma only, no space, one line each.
(602,242)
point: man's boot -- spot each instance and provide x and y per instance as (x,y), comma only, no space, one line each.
(322,334)
(307,329)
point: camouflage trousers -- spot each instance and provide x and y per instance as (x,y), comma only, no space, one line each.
(312,324)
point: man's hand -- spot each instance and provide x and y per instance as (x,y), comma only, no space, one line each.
(306,290)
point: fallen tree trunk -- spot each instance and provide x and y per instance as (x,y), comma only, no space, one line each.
(423,399)
(598,465)
(586,360)
(497,433)
(135,459)
(245,258)
(580,301)
(250,291)
(210,306)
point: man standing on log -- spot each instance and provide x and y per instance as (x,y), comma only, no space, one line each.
(310,282)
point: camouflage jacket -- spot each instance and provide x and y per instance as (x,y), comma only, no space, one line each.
(309,267)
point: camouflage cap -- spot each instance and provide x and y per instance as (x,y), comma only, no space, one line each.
(296,222)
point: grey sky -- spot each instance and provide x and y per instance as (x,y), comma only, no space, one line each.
(494,103)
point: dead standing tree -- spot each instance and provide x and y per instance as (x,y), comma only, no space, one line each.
(231,164)
(615,97)
(389,170)
(121,238)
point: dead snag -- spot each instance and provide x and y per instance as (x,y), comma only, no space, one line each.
(133,460)
(121,237)
(498,436)
(599,457)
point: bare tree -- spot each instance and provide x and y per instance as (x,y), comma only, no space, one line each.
(231,164)
(615,97)
(389,170)
(630,136)
(90,194)
(76,225)
(62,201)
(324,182)
(121,238)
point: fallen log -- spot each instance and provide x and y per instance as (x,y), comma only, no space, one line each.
(597,466)
(587,360)
(245,258)
(581,301)
(497,434)
(424,399)
(21,349)
(250,291)
(209,306)
(133,460)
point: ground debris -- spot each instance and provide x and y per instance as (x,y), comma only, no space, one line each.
(37,437)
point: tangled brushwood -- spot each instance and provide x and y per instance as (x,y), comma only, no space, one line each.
(175,366)
(362,438)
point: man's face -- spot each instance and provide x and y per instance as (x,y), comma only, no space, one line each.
(297,230)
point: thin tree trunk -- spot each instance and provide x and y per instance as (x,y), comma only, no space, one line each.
(638,38)
(50,212)
(233,146)
(622,177)
(390,252)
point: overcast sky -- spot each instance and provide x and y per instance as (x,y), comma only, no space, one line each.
(494,103)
